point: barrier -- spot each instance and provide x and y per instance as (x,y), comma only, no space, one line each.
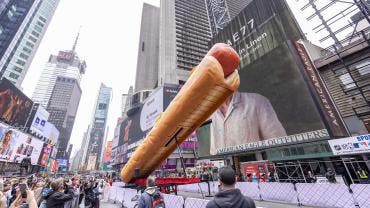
(361,194)
(249,189)
(112,194)
(195,203)
(324,195)
(173,201)
(283,192)
(307,194)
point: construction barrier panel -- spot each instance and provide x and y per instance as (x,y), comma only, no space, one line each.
(195,203)
(173,201)
(282,192)
(361,194)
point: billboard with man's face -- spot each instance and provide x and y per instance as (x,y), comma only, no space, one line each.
(14,105)
(274,104)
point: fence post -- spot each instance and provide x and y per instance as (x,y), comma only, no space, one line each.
(357,205)
(259,191)
(295,189)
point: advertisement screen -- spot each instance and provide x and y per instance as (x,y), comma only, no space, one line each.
(39,120)
(62,162)
(51,132)
(14,105)
(274,105)
(140,122)
(15,145)
(45,155)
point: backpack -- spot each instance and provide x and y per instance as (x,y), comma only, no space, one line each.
(157,200)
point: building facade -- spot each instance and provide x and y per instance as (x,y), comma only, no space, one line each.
(63,106)
(98,129)
(23,46)
(66,64)
(147,58)
(221,12)
(183,39)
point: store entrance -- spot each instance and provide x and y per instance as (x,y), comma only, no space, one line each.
(357,169)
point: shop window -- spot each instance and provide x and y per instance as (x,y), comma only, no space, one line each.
(14,76)
(20,62)
(364,67)
(347,81)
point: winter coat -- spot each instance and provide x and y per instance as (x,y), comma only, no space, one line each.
(145,200)
(57,199)
(231,199)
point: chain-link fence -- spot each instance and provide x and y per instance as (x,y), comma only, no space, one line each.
(306,194)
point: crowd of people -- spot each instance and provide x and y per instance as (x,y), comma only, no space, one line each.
(48,192)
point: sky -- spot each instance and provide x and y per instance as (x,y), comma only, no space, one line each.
(108,41)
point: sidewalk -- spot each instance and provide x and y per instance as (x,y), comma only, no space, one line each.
(259,204)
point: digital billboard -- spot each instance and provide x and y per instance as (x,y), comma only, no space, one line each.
(16,145)
(39,120)
(274,105)
(14,105)
(141,119)
(51,133)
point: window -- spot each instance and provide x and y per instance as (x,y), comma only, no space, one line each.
(347,81)
(102,106)
(42,19)
(30,44)
(40,24)
(142,46)
(364,67)
(35,33)
(27,50)
(14,76)
(24,56)
(1,30)
(32,39)
(17,69)
(20,62)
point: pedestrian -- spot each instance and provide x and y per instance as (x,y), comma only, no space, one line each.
(61,193)
(151,198)
(229,196)
(330,175)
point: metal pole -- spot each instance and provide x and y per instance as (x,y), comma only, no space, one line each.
(181,157)
(362,7)
(345,165)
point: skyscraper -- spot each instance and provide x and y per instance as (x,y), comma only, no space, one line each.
(66,64)
(63,106)
(126,101)
(22,27)
(98,125)
(147,59)
(221,12)
(183,39)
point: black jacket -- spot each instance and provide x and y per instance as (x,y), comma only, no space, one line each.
(231,199)
(57,199)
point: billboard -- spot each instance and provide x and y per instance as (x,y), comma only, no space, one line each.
(15,107)
(274,105)
(141,119)
(46,151)
(51,133)
(39,120)
(15,145)
(62,162)
(350,145)
(108,152)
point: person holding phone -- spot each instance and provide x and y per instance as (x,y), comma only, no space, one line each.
(24,197)
(61,193)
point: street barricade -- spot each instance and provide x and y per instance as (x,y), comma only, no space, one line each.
(112,194)
(324,195)
(283,192)
(195,203)
(173,201)
(249,189)
(361,193)
(120,193)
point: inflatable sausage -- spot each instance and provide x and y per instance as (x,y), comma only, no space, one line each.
(209,85)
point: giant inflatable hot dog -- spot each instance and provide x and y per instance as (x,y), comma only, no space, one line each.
(209,85)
